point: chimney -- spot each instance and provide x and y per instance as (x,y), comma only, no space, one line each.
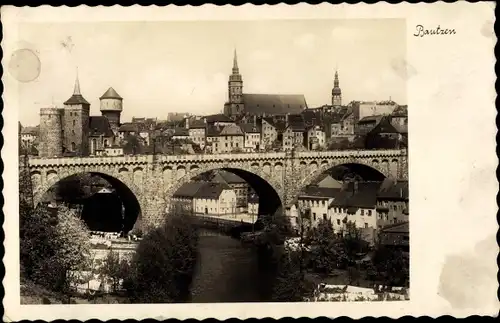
(255,121)
(286,119)
(187,123)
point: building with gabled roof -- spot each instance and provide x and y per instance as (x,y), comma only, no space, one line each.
(392,202)
(236,183)
(356,202)
(230,139)
(386,135)
(215,199)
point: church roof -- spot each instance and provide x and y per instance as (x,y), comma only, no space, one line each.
(271,104)
(111,94)
(99,125)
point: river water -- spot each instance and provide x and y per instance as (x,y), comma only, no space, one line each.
(227,271)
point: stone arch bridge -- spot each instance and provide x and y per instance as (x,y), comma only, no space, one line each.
(151,180)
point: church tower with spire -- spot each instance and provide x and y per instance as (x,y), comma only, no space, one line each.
(75,123)
(336,92)
(234,105)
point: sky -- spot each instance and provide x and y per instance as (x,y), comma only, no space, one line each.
(183,66)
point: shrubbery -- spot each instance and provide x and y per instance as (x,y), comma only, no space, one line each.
(163,266)
(52,243)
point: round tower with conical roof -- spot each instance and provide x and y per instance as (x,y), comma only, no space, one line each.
(111,108)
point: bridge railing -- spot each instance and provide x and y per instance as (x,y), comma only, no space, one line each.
(143,159)
(342,153)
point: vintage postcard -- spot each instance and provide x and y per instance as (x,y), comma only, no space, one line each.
(251,161)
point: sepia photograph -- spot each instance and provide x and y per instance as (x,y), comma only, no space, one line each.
(231,163)
(227,161)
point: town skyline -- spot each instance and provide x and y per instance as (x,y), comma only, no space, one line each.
(169,77)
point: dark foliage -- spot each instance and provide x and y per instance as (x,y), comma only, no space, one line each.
(163,266)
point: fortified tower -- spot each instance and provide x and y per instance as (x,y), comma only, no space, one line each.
(75,123)
(111,108)
(336,92)
(50,132)
(235,104)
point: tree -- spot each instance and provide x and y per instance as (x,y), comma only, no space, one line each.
(289,285)
(163,266)
(111,269)
(53,244)
(277,227)
(391,265)
(324,255)
(352,242)
(133,145)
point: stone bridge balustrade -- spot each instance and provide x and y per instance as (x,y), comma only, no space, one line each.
(154,179)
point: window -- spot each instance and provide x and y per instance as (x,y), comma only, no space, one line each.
(72,132)
(366,225)
(74,123)
(324,216)
(362,212)
(73,146)
(338,221)
(314,216)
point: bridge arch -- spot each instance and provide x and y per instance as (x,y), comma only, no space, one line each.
(265,181)
(121,182)
(373,171)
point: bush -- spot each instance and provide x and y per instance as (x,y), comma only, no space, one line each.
(163,266)
(391,266)
(289,285)
(324,256)
(52,243)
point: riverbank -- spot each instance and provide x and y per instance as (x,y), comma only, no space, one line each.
(32,294)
